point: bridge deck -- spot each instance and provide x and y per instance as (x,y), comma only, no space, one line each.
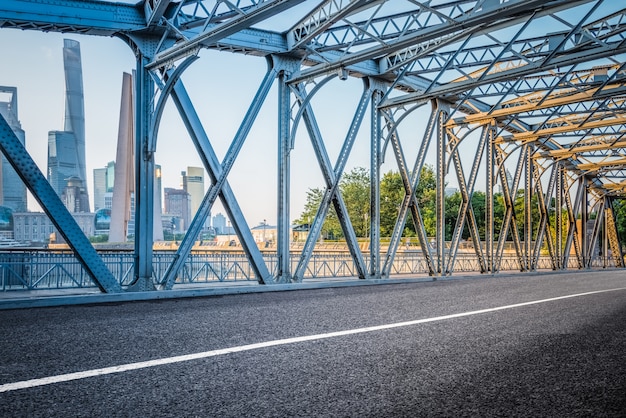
(532,345)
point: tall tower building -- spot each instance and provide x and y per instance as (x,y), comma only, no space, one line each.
(74,102)
(193,183)
(103,183)
(124,185)
(219,223)
(99,188)
(122,178)
(66,149)
(178,203)
(12,188)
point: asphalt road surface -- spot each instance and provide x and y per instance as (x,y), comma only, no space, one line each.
(543,345)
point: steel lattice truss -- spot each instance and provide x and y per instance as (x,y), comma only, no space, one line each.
(535,88)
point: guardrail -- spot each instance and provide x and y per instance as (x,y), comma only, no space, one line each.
(31,270)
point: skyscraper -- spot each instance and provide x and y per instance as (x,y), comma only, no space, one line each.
(66,149)
(178,203)
(74,102)
(103,181)
(123,177)
(124,185)
(219,223)
(12,189)
(99,187)
(193,183)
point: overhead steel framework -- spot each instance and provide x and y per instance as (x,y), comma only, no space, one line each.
(533,90)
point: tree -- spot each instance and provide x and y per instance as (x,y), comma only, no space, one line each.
(355,189)
(391,197)
(331,227)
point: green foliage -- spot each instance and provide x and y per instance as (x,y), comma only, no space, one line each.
(355,190)
(99,238)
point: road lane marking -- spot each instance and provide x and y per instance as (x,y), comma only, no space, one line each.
(25,384)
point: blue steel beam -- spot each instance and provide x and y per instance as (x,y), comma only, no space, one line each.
(568,58)
(431,37)
(323,17)
(34,179)
(87,17)
(212,194)
(332,178)
(144,178)
(218,32)
(154,10)
(211,164)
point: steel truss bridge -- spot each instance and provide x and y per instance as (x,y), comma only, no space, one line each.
(533,90)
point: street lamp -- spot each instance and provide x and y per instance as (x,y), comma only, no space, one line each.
(264,228)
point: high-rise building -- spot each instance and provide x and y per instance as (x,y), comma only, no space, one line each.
(123,179)
(12,188)
(193,183)
(178,203)
(103,183)
(124,185)
(219,223)
(66,149)
(74,197)
(74,102)
(99,188)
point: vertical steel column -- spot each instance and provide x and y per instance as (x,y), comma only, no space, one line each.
(611,226)
(584,215)
(440,234)
(489,203)
(144,178)
(559,216)
(375,162)
(573,230)
(605,236)
(528,206)
(595,235)
(283,271)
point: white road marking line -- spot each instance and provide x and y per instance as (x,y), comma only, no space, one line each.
(8,387)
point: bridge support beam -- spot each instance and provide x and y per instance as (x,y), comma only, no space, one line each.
(52,205)
(528,206)
(144,178)
(441,169)
(332,177)
(283,267)
(375,163)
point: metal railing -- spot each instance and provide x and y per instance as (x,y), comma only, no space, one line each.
(31,270)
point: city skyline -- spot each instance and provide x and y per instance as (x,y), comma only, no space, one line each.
(254,175)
